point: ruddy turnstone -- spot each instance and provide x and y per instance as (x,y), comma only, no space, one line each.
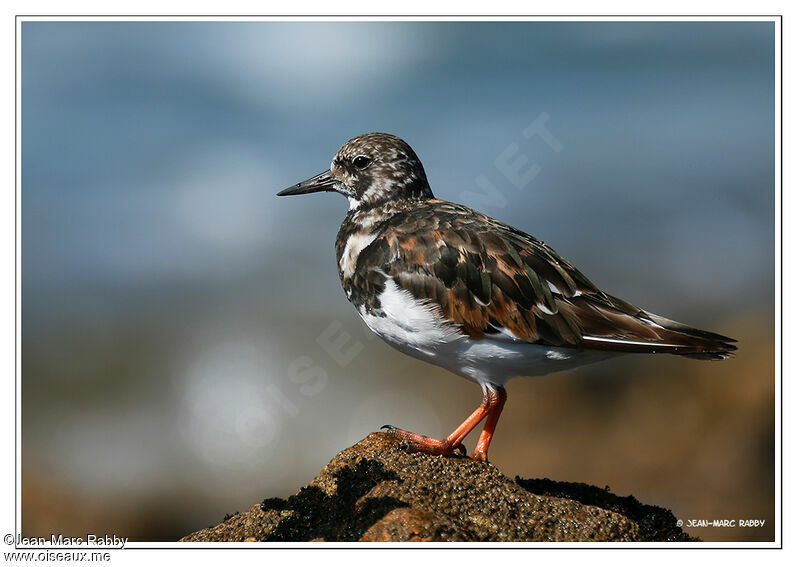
(456,288)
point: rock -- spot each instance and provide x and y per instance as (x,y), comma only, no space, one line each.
(374,491)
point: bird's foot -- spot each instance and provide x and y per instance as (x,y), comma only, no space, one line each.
(479,456)
(415,443)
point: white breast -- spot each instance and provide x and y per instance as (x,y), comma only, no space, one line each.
(356,242)
(418,329)
(410,324)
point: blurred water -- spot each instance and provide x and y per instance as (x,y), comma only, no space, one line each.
(172,306)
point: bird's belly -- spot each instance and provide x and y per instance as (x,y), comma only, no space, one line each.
(415,328)
(488,361)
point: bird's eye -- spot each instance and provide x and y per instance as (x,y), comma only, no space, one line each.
(361,161)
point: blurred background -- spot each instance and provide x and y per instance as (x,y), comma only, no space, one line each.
(174,309)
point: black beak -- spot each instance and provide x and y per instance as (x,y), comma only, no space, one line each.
(322,182)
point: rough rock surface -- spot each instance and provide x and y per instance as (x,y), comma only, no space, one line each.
(373,491)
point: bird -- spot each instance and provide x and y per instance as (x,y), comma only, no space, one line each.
(451,286)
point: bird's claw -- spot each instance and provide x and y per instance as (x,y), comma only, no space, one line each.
(414,443)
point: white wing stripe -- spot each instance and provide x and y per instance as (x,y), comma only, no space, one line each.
(625,342)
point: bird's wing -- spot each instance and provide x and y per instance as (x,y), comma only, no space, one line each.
(491,279)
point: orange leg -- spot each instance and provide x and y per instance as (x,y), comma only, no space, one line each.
(494,397)
(482,448)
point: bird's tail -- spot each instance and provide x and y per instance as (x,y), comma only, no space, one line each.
(610,323)
(697,343)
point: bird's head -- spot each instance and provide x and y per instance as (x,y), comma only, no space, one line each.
(370,169)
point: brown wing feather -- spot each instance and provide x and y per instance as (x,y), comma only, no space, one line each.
(488,277)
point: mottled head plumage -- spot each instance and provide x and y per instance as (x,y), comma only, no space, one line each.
(378,167)
(371,169)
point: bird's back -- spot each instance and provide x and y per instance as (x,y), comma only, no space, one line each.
(490,281)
